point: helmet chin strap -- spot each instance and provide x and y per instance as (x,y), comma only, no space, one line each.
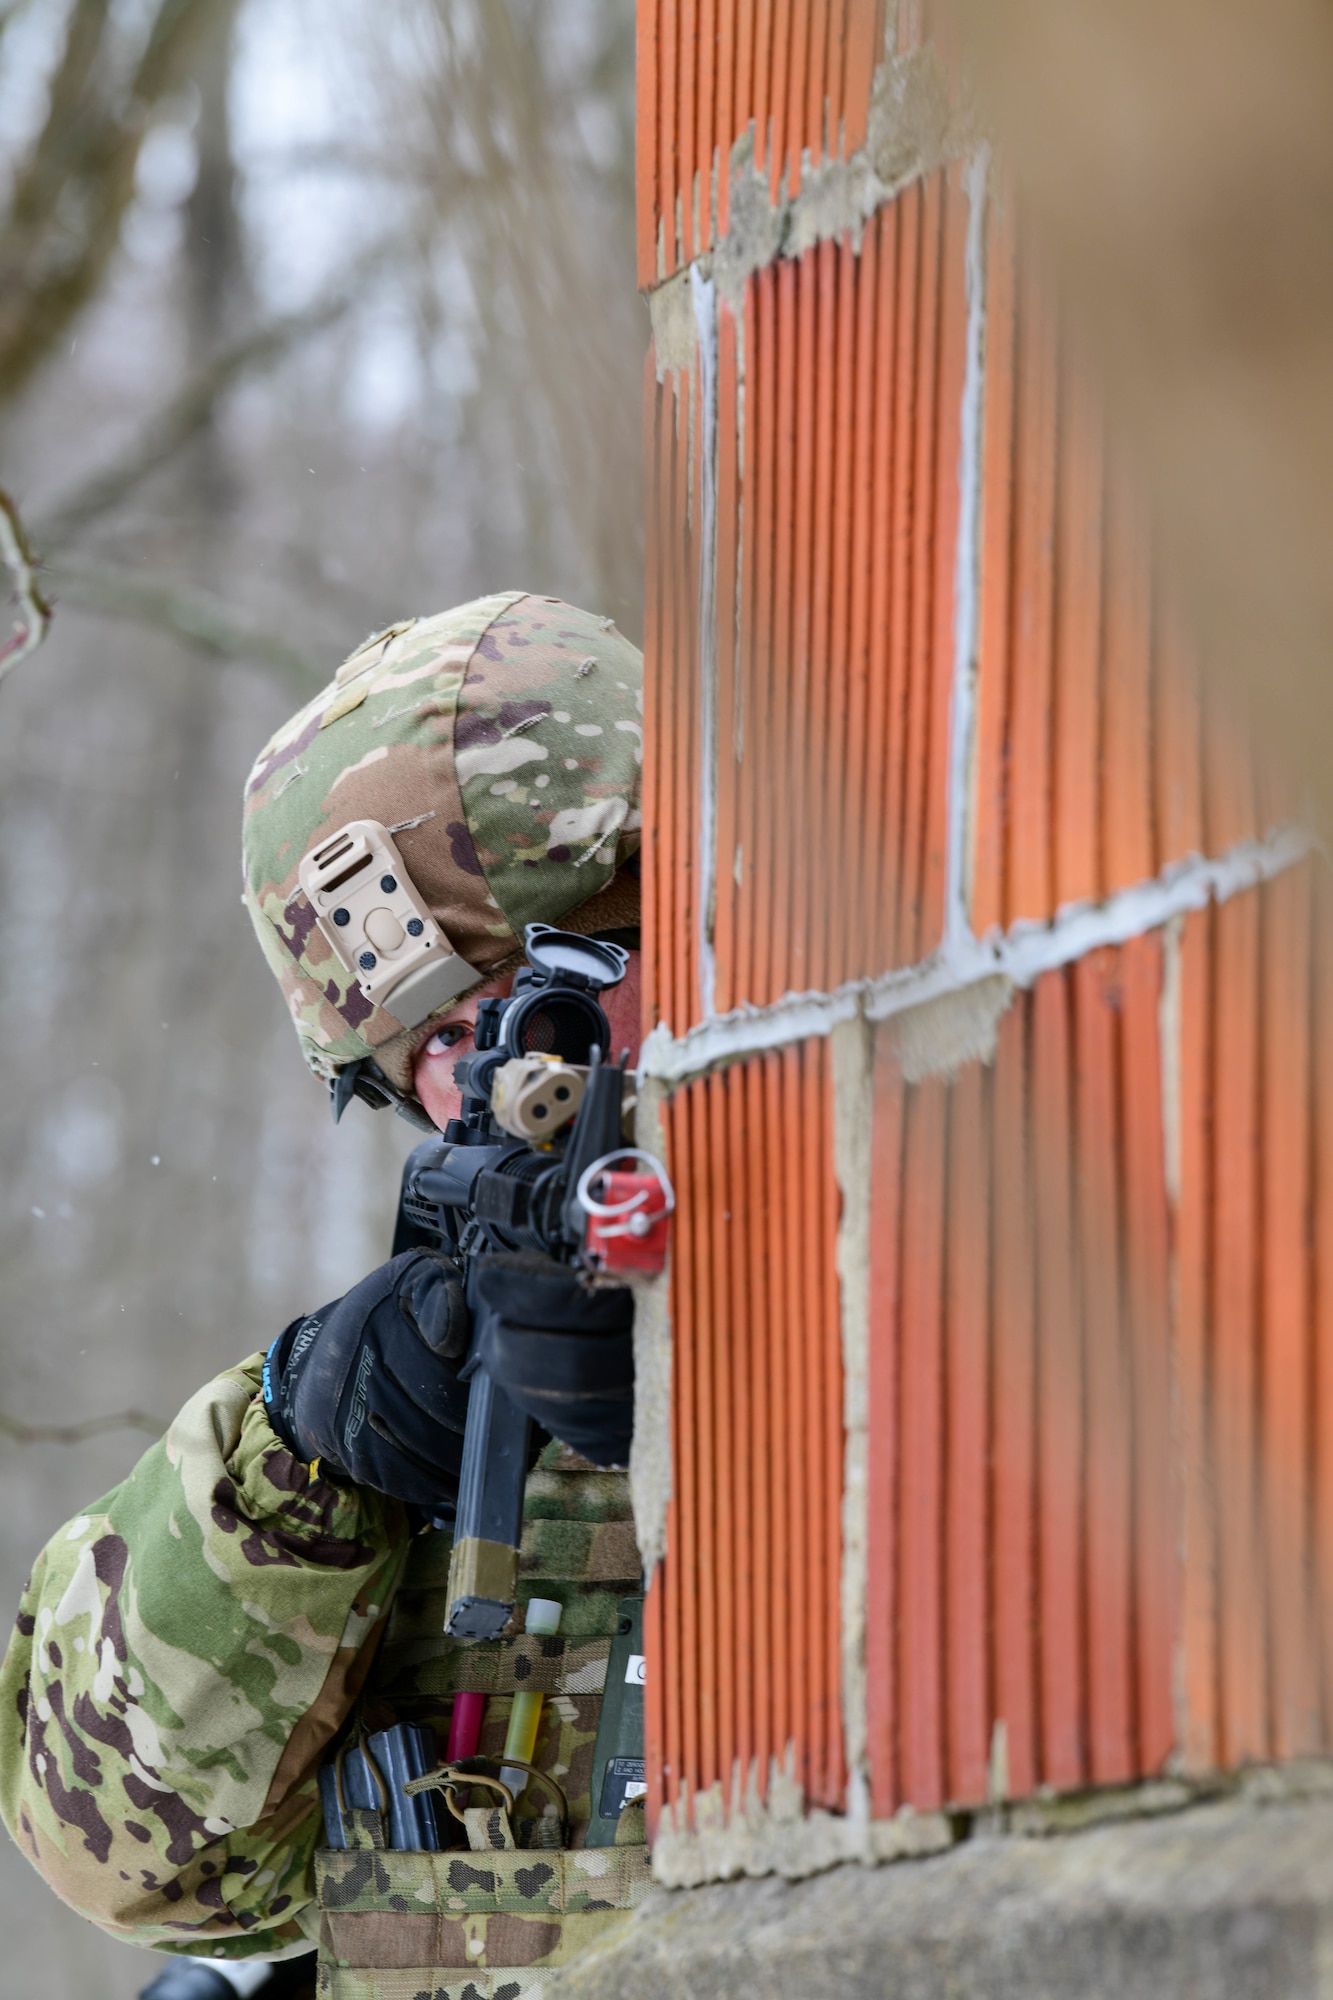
(366,1080)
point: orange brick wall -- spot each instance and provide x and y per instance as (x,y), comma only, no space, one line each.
(921,737)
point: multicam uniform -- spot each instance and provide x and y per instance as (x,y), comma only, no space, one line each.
(184,1650)
(187,1648)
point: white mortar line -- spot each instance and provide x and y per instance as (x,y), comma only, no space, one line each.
(704,298)
(1022,954)
(852,1062)
(967,569)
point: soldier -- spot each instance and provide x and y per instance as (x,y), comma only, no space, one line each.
(186,1651)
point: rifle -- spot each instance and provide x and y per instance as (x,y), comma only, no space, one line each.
(521,1168)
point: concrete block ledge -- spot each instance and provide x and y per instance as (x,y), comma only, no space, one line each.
(1229,1901)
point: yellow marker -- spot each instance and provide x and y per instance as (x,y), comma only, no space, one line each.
(526,1715)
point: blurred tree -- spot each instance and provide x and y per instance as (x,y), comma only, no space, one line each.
(331,364)
(62,220)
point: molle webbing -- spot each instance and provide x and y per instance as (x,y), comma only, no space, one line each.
(578,1547)
(484,1926)
(526,1663)
(466,1926)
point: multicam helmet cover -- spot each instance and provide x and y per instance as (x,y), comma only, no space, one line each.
(503,742)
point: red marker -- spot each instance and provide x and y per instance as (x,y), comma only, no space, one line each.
(465,1727)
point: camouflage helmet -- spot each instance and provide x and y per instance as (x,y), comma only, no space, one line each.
(499,747)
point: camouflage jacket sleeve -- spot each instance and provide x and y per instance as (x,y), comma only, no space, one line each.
(183,1653)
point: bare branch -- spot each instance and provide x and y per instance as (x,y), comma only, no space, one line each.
(30,628)
(119,1420)
(83,167)
(192,409)
(175,608)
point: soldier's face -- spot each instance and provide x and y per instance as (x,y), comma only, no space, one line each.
(433,1072)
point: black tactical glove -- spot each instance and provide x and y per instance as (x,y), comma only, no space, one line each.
(369,1384)
(561,1349)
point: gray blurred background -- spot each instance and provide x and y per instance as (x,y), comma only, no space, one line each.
(313,314)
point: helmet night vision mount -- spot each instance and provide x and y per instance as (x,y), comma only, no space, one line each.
(367,907)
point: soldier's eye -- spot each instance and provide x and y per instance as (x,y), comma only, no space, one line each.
(448,1038)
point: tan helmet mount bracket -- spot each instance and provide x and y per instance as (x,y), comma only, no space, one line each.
(367,907)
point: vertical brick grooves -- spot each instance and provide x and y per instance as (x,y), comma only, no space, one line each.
(761,119)
(746,1628)
(1094,768)
(834,643)
(891,749)
(842,807)
(1198,1723)
(1288,1003)
(771,156)
(671,707)
(921,1497)
(798,69)
(733,1371)
(688,164)
(1023,1580)
(994,776)
(729,711)
(872,869)
(883,1587)
(779,831)
(705,131)
(919,554)
(858,431)
(682,691)
(1061,1411)
(1178,765)
(714,1554)
(1251,1243)
(833,1789)
(661,801)
(746,1311)
(1099,1203)
(1079,560)
(666,256)
(818,1338)
(737,970)
(682,1663)
(966,1445)
(828,525)
(949,372)
(647,139)
(796,74)
(692,698)
(1145,1257)
(735,55)
(1234,1269)
(1101,1291)
(1013,1579)
(775,1580)
(1027,881)
(862,30)
(823,96)
(671,701)
(1128,843)
(1321,1346)
(803,372)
